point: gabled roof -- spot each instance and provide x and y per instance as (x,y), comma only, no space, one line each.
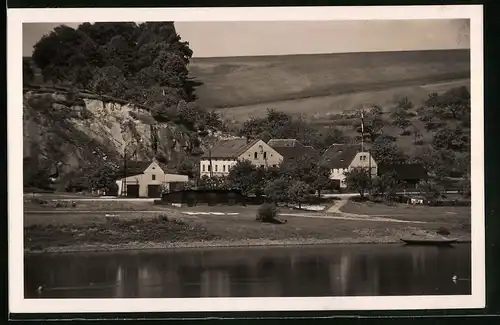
(404,171)
(232,148)
(311,151)
(340,155)
(291,148)
(281,143)
(133,168)
(138,167)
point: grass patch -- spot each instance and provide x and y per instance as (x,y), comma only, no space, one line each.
(453,215)
(59,230)
(114,230)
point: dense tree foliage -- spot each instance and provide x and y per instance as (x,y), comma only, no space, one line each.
(145,63)
(279,125)
(385,185)
(298,192)
(308,170)
(103,177)
(454,104)
(358,179)
(373,122)
(385,151)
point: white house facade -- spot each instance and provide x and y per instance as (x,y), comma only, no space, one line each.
(148,180)
(342,158)
(226,153)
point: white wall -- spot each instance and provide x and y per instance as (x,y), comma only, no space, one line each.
(170,178)
(362,159)
(220,167)
(338,174)
(153,175)
(267,157)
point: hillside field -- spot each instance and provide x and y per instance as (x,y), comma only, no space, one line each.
(315,86)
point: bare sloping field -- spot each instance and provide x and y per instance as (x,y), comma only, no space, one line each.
(318,109)
(317,84)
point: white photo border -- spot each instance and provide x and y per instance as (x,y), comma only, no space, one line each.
(17,302)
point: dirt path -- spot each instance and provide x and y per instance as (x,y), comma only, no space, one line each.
(335,210)
(332,213)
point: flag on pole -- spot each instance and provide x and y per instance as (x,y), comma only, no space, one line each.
(362,123)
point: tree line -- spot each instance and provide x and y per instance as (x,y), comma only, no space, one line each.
(144,64)
(293,181)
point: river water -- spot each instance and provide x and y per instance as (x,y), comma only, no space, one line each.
(328,270)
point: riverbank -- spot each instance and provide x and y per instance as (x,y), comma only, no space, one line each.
(211,244)
(225,227)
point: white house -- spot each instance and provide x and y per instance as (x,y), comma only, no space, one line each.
(226,153)
(340,158)
(147,179)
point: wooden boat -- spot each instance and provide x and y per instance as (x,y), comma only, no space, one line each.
(429,241)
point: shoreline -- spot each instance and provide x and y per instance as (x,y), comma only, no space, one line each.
(136,246)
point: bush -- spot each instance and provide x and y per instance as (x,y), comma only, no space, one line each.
(267,213)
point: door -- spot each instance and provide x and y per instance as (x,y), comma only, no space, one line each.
(133,190)
(154,191)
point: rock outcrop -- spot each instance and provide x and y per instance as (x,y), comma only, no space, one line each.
(75,130)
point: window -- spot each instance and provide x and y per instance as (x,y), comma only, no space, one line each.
(216,167)
(265,155)
(261,166)
(203,167)
(255,155)
(223,168)
(274,166)
(209,168)
(153,177)
(335,170)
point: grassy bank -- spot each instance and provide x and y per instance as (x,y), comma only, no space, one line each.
(173,228)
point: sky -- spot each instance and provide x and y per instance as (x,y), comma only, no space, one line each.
(223,39)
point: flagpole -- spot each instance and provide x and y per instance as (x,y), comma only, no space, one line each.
(362,132)
(124,189)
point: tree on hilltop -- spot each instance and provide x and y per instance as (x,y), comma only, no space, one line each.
(385,151)
(137,62)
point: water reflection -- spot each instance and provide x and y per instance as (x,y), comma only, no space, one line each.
(252,272)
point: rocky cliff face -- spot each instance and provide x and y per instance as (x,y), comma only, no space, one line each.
(87,130)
